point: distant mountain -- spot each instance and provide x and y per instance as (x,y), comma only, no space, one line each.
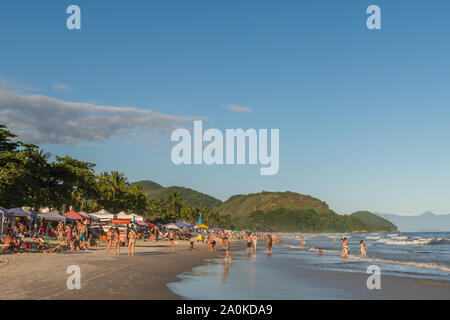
(370,218)
(155,191)
(294,212)
(426,222)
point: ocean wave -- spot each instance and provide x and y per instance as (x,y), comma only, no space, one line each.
(372,238)
(423,265)
(412,241)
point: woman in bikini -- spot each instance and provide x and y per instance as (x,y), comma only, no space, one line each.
(131,242)
(109,237)
(116,239)
(227,250)
(69,237)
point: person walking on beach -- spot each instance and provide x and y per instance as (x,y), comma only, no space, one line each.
(109,238)
(249,242)
(83,236)
(116,239)
(363,248)
(131,241)
(302,241)
(171,241)
(269,244)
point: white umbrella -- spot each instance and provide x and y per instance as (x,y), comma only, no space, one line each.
(172,226)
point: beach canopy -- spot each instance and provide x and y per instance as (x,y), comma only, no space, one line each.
(75,215)
(140,223)
(17,212)
(89,216)
(3,210)
(103,214)
(136,217)
(202,226)
(123,215)
(54,216)
(171,226)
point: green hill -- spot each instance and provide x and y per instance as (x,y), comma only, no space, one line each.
(244,205)
(155,191)
(370,218)
(294,212)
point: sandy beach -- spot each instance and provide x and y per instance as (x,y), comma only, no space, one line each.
(144,276)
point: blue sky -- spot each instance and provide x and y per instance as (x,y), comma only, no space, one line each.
(363,115)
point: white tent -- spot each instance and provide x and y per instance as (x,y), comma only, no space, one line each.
(123,215)
(135,217)
(103,214)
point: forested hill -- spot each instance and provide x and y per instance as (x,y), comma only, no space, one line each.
(370,218)
(154,191)
(293,212)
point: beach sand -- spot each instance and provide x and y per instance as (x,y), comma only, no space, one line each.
(144,276)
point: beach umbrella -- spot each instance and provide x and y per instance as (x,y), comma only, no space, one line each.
(183,225)
(172,226)
(202,226)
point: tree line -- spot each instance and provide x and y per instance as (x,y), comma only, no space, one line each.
(29,177)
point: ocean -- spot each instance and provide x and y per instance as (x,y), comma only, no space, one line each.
(292,266)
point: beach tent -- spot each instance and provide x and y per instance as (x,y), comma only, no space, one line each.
(123,215)
(135,217)
(75,215)
(103,215)
(55,216)
(2,216)
(89,216)
(171,226)
(18,212)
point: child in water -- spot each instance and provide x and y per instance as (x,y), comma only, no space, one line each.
(320,253)
(363,248)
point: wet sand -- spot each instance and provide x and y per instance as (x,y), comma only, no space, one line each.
(144,276)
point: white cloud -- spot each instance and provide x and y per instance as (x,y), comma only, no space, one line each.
(238,108)
(60,87)
(42,119)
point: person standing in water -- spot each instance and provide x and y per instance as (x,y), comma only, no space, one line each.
(363,248)
(227,250)
(255,241)
(131,241)
(249,242)
(302,241)
(344,247)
